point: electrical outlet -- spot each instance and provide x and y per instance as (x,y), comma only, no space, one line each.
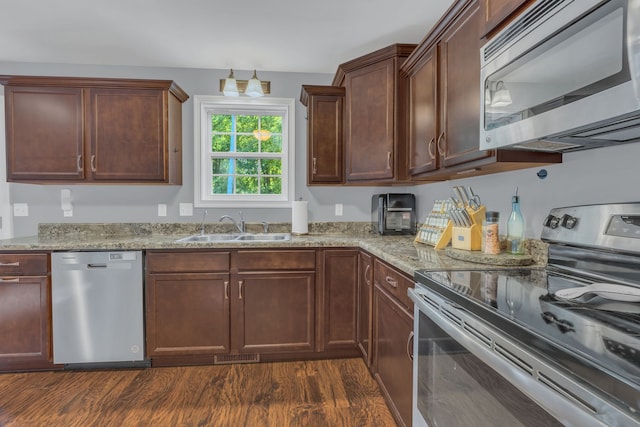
(339,209)
(20,209)
(186,209)
(162,209)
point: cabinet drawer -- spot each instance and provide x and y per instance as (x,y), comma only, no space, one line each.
(193,262)
(276,260)
(393,281)
(23,264)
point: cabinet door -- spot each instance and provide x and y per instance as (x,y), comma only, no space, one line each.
(187,314)
(340,299)
(128,136)
(325,139)
(393,364)
(423,115)
(459,136)
(365,288)
(496,12)
(275,312)
(44,128)
(369,127)
(25,329)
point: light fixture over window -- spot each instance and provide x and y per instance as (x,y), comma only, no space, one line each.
(253,87)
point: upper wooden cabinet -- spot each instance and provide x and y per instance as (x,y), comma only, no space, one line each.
(497,13)
(325,107)
(444,104)
(375,115)
(93,130)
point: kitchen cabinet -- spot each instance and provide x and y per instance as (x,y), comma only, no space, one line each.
(444,105)
(274,308)
(206,307)
(339,300)
(187,297)
(325,105)
(25,310)
(393,339)
(83,130)
(497,13)
(375,115)
(365,289)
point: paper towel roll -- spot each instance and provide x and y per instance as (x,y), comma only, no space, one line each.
(299,221)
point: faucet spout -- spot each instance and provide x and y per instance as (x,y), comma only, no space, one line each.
(204,215)
(239,225)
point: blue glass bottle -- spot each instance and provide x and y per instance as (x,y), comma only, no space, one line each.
(515,228)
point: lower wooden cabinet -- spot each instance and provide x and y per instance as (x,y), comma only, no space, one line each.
(365,289)
(392,349)
(25,312)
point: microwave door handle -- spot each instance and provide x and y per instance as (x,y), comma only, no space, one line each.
(633,43)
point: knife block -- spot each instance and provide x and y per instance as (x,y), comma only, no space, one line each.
(467,238)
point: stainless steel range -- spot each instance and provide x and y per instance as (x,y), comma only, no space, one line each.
(532,347)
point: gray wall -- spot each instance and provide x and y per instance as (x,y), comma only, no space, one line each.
(596,176)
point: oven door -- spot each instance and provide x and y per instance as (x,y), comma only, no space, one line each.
(466,374)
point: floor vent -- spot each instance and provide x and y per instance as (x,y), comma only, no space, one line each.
(226,359)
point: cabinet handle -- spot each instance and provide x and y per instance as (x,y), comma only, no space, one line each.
(410,345)
(80,166)
(240,288)
(9,279)
(93,163)
(389,160)
(441,148)
(390,280)
(315,168)
(366,276)
(10,264)
(226,289)
(432,150)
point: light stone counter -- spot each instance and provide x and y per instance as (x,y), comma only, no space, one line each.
(399,251)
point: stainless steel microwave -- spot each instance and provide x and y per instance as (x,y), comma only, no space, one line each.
(563,76)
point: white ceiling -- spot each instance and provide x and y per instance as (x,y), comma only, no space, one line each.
(276,35)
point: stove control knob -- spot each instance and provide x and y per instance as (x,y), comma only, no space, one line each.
(569,221)
(551,221)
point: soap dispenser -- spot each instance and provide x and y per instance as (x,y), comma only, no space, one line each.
(515,227)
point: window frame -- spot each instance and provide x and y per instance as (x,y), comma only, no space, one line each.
(203,106)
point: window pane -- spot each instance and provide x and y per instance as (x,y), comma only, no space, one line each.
(272,123)
(221,166)
(222,185)
(271,185)
(246,123)
(271,167)
(247,166)
(272,145)
(247,144)
(221,123)
(247,185)
(221,143)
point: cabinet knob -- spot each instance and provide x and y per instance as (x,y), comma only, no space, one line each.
(314,168)
(240,288)
(9,279)
(80,166)
(93,163)
(367,278)
(226,289)
(10,264)
(389,160)
(410,345)
(390,280)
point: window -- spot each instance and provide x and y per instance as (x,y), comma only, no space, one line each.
(244,154)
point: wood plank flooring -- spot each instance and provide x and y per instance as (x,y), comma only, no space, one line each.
(338,392)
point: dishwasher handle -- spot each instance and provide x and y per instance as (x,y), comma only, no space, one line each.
(97,265)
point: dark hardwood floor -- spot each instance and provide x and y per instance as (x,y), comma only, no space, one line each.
(337,392)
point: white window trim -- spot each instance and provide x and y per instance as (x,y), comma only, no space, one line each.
(202,104)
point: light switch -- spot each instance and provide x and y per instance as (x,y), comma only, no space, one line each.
(162,209)
(339,209)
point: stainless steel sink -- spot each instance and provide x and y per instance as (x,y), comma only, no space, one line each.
(235,237)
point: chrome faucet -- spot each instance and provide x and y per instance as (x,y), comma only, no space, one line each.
(204,215)
(239,225)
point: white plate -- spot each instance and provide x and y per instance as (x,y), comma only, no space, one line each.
(604,290)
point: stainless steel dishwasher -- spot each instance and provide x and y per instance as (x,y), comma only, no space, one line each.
(97,308)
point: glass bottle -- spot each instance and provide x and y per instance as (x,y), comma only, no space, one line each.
(515,228)
(491,234)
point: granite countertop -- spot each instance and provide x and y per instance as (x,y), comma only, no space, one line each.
(399,251)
